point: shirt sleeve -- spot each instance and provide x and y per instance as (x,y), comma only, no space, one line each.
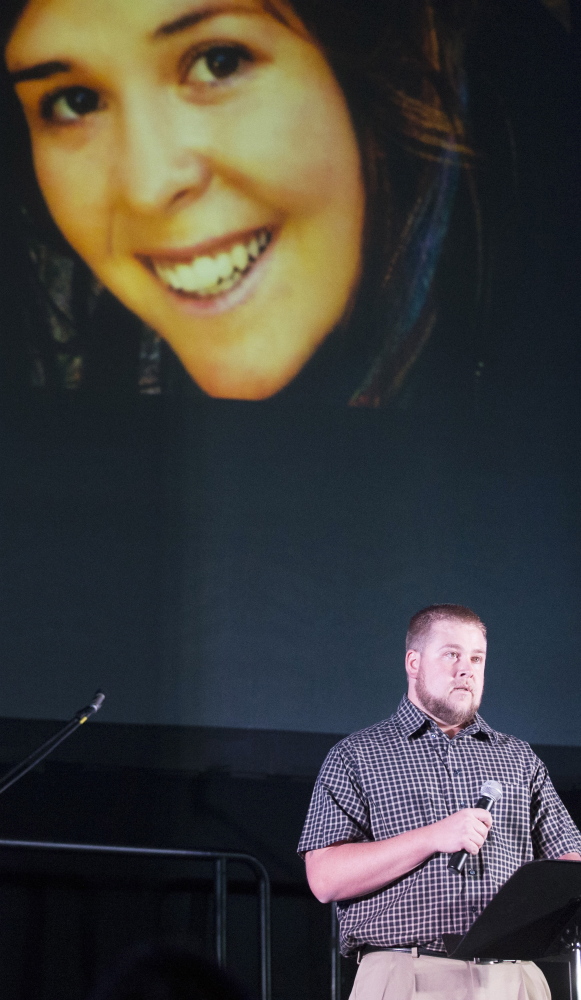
(339,808)
(553,831)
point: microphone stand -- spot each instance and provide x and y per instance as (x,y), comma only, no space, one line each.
(78,719)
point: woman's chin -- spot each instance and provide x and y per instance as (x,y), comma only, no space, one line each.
(231,381)
(250,361)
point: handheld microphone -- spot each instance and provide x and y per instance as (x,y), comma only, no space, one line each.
(490,793)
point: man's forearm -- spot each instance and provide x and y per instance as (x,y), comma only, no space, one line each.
(343,871)
(347,870)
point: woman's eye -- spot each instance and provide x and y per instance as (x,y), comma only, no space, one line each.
(218,63)
(70,104)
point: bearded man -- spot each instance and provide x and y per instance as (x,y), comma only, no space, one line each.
(393,801)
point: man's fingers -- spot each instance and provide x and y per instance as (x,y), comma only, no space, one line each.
(478,832)
(465,830)
(473,844)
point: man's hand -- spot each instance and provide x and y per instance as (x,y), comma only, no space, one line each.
(462,831)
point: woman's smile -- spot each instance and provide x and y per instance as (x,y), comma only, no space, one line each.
(204,277)
(202,161)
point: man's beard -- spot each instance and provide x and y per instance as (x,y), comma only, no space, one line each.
(444,708)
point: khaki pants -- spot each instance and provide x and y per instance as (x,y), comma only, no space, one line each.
(395,975)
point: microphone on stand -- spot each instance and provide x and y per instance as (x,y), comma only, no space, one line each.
(94,705)
(490,793)
(15,773)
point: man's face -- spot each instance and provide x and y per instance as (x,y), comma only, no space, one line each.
(446,676)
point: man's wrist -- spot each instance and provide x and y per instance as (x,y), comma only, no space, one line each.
(424,837)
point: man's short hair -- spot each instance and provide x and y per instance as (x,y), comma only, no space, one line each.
(421,623)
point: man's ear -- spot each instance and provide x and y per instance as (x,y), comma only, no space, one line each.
(412,662)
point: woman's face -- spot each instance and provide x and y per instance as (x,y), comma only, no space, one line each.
(200,157)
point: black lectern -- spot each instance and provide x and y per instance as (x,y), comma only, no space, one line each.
(532,917)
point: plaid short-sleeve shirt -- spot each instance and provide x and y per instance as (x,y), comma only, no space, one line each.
(404,773)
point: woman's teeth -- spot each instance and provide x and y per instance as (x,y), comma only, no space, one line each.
(206,276)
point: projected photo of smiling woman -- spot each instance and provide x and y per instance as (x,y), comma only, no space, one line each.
(224,170)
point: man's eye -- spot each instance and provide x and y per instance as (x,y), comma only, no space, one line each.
(70,104)
(218,63)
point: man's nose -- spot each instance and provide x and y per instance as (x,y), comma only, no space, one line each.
(160,162)
(464,666)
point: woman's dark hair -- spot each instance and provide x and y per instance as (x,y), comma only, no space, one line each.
(165,971)
(400,64)
(401,67)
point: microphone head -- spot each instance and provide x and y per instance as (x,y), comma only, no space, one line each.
(96,701)
(491,790)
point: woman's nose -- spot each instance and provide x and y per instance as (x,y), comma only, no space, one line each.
(160,162)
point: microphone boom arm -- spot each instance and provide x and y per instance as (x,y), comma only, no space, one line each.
(80,717)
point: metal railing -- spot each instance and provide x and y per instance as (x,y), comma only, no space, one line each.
(220,860)
(335,955)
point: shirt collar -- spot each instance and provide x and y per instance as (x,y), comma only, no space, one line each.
(410,721)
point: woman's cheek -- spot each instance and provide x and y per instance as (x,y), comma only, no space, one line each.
(71,179)
(285,145)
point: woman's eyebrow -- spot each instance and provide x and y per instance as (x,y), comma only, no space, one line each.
(41,71)
(193,17)
(44,70)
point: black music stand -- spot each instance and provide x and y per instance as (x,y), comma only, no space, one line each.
(531,918)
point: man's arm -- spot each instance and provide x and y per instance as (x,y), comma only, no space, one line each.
(346,870)
(552,828)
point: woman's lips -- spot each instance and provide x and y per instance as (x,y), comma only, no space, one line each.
(211,269)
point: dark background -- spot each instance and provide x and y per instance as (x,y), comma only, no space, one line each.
(222,563)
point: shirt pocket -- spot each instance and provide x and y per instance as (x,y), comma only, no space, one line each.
(509,844)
